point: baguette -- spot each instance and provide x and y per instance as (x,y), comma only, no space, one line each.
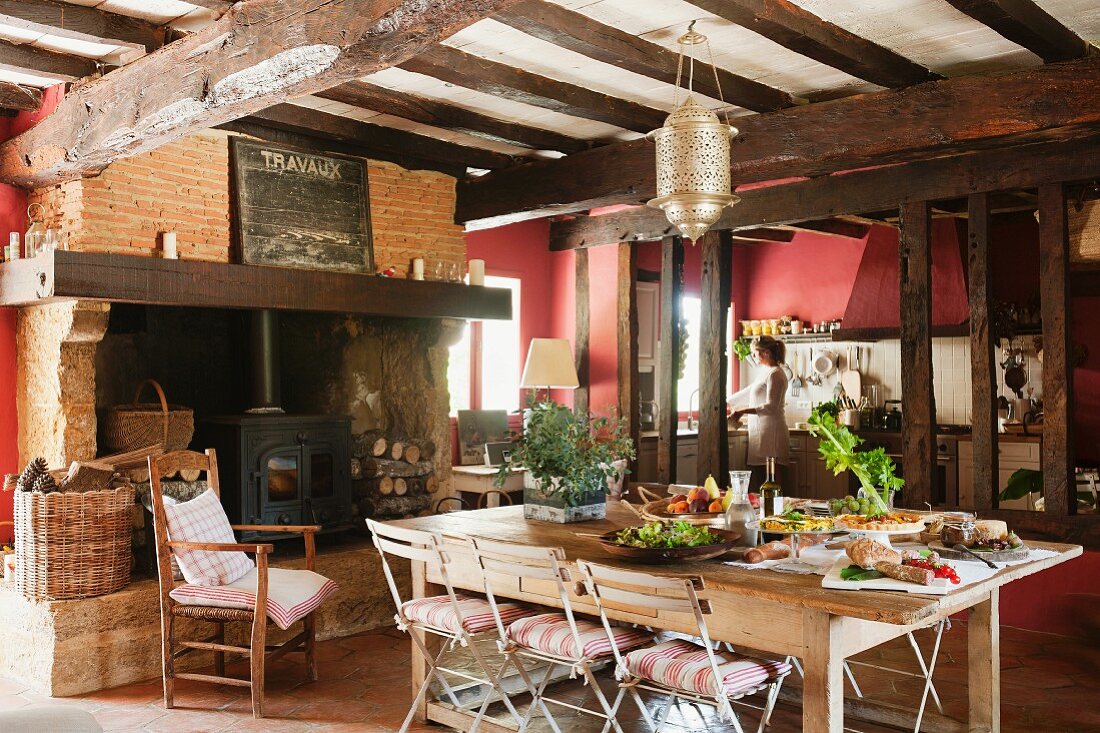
(767,551)
(907,573)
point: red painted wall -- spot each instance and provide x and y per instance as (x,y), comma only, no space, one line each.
(13,218)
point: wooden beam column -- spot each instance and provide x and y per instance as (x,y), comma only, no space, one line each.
(672,285)
(983,362)
(580,348)
(1059,485)
(628,342)
(917,393)
(713,367)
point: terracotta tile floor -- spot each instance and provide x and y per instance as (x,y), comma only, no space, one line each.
(1049,683)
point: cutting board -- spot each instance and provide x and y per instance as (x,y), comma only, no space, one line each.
(832,579)
(852,380)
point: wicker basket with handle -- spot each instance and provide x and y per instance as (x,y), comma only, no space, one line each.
(74,545)
(128,427)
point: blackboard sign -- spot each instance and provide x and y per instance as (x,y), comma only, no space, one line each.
(295,208)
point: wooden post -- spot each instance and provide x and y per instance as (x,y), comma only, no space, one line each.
(1059,485)
(713,367)
(580,396)
(672,285)
(918,396)
(983,638)
(628,341)
(983,362)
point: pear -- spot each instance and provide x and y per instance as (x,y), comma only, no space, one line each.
(712,488)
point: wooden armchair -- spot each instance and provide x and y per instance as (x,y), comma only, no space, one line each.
(171,609)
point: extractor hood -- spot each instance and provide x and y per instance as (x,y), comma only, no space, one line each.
(875,299)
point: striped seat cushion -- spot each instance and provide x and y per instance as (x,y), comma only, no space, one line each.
(291,594)
(477,614)
(550,633)
(683,665)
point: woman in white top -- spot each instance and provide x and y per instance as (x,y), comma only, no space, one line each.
(764,402)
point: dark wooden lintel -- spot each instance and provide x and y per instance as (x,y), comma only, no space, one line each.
(112,278)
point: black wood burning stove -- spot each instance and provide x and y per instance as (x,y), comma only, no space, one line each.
(277,468)
(283,469)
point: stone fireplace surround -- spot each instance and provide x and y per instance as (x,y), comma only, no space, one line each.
(75,358)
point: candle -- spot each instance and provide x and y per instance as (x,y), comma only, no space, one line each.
(13,246)
(477,272)
(418,268)
(168,246)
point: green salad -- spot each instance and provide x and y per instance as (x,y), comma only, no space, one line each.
(673,535)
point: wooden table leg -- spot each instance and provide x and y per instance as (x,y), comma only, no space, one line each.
(984,664)
(421,588)
(492,501)
(823,686)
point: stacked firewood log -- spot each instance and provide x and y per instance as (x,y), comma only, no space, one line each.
(392,475)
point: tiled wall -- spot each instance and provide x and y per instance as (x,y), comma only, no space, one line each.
(881,365)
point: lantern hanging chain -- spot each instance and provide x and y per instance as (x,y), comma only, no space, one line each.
(717,84)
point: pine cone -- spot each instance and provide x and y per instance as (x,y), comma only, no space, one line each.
(45,484)
(37,467)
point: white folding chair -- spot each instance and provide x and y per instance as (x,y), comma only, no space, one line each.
(455,617)
(556,639)
(680,668)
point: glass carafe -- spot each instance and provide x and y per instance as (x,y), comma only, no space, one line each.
(739,512)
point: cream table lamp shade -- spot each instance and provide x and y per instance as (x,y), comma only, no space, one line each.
(549,364)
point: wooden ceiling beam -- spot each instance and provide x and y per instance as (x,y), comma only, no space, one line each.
(463,69)
(292,118)
(1026,24)
(220,6)
(432,112)
(928,120)
(803,32)
(258,54)
(58,66)
(15,96)
(860,197)
(80,23)
(588,37)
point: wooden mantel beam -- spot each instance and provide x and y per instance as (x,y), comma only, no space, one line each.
(260,53)
(588,37)
(923,121)
(1025,23)
(803,32)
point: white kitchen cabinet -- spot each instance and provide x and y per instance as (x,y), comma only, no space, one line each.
(687,460)
(647,462)
(739,452)
(1010,457)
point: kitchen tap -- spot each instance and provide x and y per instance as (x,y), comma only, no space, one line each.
(691,422)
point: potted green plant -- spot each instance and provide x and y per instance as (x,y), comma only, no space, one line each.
(568,459)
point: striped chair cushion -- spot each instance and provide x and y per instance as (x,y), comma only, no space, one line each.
(291,594)
(477,614)
(550,633)
(683,665)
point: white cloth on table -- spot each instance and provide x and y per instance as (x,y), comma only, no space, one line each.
(768,431)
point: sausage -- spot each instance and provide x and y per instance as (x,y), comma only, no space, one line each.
(908,573)
(767,551)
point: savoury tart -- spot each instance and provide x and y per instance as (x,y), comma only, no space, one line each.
(892,522)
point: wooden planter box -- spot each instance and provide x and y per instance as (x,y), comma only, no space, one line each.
(551,507)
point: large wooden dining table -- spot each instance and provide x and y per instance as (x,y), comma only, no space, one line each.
(775,613)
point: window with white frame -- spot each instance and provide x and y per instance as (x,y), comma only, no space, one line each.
(484,373)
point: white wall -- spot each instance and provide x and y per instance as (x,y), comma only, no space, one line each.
(950,364)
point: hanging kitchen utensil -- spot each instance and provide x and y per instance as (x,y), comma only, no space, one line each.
(851,379)
(1015,376)
(796,383)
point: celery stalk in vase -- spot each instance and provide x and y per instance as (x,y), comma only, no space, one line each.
(874,469)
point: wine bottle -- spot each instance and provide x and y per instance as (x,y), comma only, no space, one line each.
(771,493)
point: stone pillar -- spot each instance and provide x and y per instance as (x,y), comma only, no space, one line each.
(414,378)
(55,376)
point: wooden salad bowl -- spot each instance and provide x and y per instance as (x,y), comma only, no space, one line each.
(651,554)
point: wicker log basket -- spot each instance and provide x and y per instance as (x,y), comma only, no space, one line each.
(73,545)
(128,427)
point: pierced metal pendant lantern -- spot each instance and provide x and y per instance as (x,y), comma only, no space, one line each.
(693,158)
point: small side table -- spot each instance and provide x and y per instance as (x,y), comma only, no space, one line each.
(479,480)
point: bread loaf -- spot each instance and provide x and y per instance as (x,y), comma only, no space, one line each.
(986,530)
(865,552)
